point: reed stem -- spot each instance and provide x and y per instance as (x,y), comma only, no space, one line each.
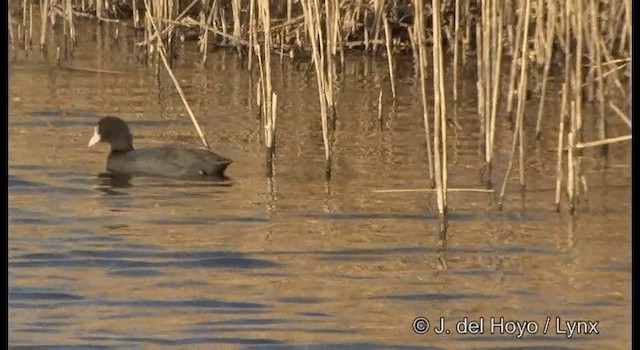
(162,54)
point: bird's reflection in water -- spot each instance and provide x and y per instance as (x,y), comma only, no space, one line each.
(114,184)
(110,183)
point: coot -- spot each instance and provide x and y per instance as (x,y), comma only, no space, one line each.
(171,162)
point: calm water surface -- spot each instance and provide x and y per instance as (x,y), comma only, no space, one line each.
(293,262)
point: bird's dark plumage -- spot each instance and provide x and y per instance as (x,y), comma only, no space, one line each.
(166,161)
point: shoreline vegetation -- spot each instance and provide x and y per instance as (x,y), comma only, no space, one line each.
(585,42)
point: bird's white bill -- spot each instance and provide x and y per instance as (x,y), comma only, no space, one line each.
(95,138)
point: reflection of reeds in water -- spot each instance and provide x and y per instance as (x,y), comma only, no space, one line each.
(533,36)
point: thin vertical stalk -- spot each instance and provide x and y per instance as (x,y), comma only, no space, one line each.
(571,176)
(328,53)
(497,65)
(559,151)
(99,8)
(456,50)
(419,33)
(205,40)
(414,47)
(466,13)
(311,12)
(72,28)
(514,61)
(44,14)
(578,31)
(627,26)
(269,109)
(235,9)
(387,36)
(380,109)
(24,25)
(222,14)
(65,29)
(148,32)
(289,9)
(538,35)
(591,49)
(575,135)
(30,40)
(522,94)
(439,113)
(568,88)
(483,29)
(281,43)
(595,29)
(136,14)
(11,36)
(480,80)
(204,36)
(338,40)
(517,133)
(486,60)
(252,32)
(378,8)
(550,25)
(161,53)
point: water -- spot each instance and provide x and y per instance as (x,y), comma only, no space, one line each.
(293,262)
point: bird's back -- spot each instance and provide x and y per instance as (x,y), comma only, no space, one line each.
(172,162)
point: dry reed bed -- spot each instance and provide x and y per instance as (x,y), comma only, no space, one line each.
(589,41)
